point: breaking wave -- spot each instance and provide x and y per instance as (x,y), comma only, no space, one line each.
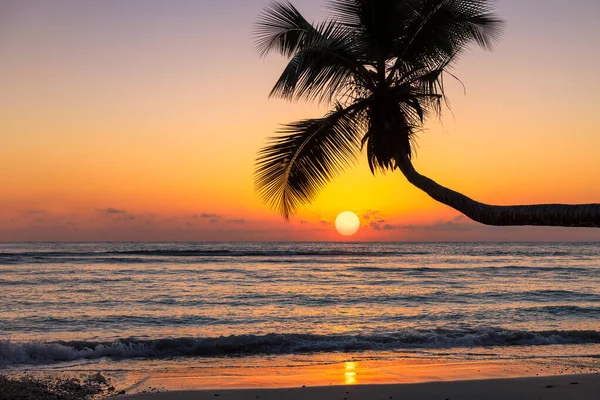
(12,353)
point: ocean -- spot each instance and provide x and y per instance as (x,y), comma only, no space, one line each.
(125,306)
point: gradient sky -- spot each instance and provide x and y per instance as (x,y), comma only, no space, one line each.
(141,119)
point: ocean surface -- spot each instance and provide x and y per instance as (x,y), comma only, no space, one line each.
(114,302)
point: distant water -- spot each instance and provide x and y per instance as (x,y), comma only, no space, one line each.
(65,302)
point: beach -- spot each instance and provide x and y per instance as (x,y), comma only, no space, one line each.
(188,317)
(576,387)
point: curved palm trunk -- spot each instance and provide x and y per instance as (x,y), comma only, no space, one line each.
(583,215)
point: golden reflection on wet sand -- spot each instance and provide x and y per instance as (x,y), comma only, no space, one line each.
(350,373)
(335,373)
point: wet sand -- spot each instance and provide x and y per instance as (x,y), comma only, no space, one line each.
(572,387)
(333,370)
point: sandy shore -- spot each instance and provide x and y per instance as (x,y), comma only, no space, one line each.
(559,387)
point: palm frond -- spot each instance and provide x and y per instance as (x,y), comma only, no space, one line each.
(443,29)
(281,28)
(293,167)
(326,63)
(347,12)
(429,88)
(378,24)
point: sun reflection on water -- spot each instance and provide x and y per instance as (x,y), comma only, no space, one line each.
(350,373)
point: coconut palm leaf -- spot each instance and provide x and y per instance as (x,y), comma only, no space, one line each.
(293,167)
(325,63)
(377,24)
(320,71)
(442,29)
(428,87)
(281,28)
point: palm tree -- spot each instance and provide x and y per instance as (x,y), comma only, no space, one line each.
(380,65)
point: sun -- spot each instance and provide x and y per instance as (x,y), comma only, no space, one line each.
(347,223)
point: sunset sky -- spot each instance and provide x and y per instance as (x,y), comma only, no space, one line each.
(140,120)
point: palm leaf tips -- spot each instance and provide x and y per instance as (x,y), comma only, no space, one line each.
(321,68)
(293,167)
(281,28)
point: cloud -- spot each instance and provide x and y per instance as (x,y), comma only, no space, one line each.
(35,212)
(375,225)
(458,223)
(370,215)
(374,220)
(111,210)
(208,216)
(215,218)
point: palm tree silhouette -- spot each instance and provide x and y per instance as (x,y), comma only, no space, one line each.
(380,64)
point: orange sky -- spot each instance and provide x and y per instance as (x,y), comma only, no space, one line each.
(131,120)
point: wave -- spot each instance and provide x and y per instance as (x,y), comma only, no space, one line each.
(12,353)
(470,269)
(214,252)
(527,253)
(274,253)
(565,310)
(70,280)
(173,255)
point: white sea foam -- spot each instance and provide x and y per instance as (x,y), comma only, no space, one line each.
(12,353)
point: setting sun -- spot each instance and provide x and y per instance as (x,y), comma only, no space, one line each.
(347,223)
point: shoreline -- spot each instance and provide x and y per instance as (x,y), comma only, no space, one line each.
(553,387)
(139,378)
(382,373)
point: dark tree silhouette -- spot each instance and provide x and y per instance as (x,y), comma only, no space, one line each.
(380,64)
